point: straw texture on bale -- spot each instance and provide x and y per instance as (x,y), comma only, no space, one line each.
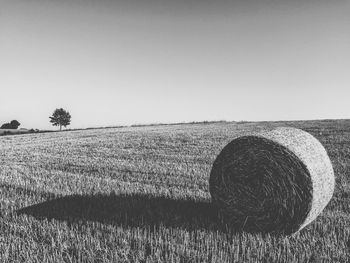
(275,181)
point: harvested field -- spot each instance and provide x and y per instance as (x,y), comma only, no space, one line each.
(141,194)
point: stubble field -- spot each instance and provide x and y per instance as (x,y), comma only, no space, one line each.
(140,194)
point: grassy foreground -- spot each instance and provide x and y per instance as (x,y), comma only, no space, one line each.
(141,194)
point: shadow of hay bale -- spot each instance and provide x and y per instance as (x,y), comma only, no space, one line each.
(135,210)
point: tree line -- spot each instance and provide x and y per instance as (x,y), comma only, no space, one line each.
(14,124)
(60,117)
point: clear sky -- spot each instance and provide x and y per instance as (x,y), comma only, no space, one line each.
(111,62)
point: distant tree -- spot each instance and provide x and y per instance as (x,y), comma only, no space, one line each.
(15,124)
(12,125)
(6,126)
(60,117)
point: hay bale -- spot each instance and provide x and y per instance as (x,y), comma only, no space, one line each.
(275,181)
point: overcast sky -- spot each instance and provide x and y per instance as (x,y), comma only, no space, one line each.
(113,62)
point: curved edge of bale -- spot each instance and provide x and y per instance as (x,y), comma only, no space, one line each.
(316,159)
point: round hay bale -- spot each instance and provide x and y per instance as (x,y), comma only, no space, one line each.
(275,181)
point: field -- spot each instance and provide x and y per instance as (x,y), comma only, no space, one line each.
(140,194)
(12,131)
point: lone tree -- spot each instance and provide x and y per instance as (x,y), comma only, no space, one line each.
(12,125)
(60,117)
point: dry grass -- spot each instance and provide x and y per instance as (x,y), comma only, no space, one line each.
(141,195)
